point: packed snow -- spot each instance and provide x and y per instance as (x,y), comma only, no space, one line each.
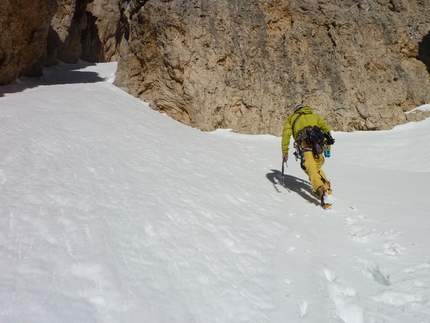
(113,212)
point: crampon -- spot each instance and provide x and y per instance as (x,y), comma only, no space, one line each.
(323,193)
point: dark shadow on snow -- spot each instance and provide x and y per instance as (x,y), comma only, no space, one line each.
(59,74)
(292,184)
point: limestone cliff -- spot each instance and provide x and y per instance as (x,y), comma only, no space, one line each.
(102,37)
(242,64)
(67,26)
(237,64)
(87,30)
(24,29)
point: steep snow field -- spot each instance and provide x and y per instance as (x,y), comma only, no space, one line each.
(113,212)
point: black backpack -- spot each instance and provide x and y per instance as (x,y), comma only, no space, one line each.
(315,139)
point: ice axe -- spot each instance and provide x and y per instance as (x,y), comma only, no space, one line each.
(282,181)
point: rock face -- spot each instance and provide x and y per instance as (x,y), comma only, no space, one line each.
(85,29)
(238,64)
(67,26)
(102,37)
(243,64)
(38,33)
(24,29)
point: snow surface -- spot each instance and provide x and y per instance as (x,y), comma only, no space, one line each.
(113,212)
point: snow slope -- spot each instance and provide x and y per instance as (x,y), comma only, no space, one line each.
(112,212)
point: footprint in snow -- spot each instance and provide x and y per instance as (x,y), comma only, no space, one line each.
(397,299)
(372,271)
(424,265)
(344,298)
(390,249)
(291,249)
(330,275)
(304,308)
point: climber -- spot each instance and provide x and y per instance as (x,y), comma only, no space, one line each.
(312,141)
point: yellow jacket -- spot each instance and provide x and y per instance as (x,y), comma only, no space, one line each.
(307,119)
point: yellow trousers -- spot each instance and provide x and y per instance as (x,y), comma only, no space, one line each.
(313,167)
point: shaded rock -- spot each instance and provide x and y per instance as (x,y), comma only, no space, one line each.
(41,33)
(101,38)
(87,30)
(67,26)
(24,28)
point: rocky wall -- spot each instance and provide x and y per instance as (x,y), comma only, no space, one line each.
(24,27)
(243,64)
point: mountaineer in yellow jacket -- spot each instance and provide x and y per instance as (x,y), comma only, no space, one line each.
(310,145)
